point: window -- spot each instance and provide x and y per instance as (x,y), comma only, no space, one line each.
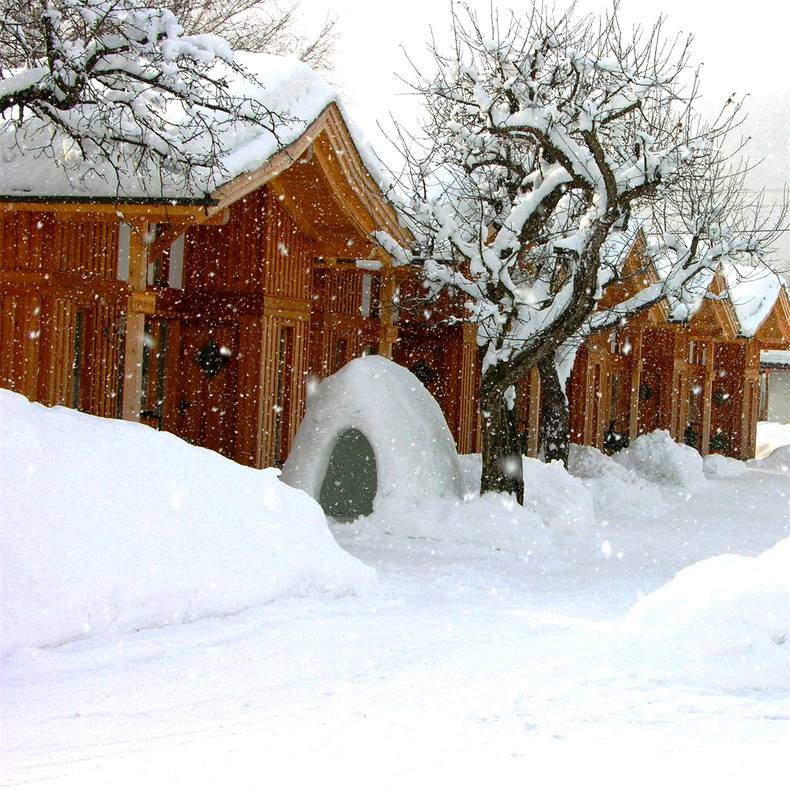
(364,307)
(175,274)
(124,243)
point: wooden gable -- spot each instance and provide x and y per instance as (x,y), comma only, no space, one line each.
(774,332)
(716,316)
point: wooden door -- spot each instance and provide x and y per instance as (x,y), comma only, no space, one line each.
(208,386)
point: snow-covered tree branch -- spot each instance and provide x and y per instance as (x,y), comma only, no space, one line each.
(120,83)
(545,138)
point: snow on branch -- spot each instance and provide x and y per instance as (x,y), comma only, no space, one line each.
(117,82)
(545,137)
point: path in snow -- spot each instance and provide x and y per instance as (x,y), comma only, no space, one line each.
(464,667)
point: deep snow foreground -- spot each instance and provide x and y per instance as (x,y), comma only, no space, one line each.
(108,526)
(470,663)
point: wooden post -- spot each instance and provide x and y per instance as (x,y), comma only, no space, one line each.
(467,408)
(707,402)
(679,391)
(636,376)
(135,321)
(388,332)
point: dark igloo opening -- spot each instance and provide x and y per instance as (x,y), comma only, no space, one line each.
(349,486)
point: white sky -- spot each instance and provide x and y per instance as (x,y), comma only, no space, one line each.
(744,47)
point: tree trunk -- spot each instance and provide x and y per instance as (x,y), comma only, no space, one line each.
(555,437)
(502,462)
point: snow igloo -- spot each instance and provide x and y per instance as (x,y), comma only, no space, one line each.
(372,434)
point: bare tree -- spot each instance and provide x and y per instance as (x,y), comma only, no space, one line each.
(122,85)
(545,137)
(259,26)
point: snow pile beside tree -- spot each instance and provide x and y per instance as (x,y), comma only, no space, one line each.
(720,467)
(655,457)
(616,492)
(109,526)
(560,499)
(723,622)
(414,450)
(559,502)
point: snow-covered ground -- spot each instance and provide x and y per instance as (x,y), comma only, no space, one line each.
(475,659)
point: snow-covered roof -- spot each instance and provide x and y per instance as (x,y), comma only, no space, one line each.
(775,359)
(286,86)
(753,292)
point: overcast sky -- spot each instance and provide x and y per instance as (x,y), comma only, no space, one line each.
(743,46)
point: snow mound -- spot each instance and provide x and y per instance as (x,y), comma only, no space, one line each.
(721,467)
(771,435)
(109,526)
(560,500)
(616,492)
(658,459)
(414,451)
(777,460)
(492,521)
(724,622)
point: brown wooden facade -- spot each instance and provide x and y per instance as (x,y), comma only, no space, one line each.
(204,320)
(207,319)
(697,379)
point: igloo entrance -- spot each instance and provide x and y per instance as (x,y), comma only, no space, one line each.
(372,435)
(349,486)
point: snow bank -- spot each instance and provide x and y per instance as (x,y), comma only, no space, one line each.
(721,467)
(616,492)
(771,435)
(776,461)
(658,459)
(723,622)
(493,521)
(108,526)
(560,500)
(414,450)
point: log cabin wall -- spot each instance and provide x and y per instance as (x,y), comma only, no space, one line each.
(345,317)
(246,300)
(603,389)
(445,359)
(63,310)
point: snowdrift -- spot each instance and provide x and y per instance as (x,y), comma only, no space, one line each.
(616,492)
(723,622)
(415,456)
(777,460)
(108,526)
(491,522)
(720,467)
(657,458)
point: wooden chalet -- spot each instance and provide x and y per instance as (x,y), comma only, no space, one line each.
(206,314)
(697,377)
(202,316)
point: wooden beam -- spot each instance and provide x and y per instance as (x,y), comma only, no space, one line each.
(636,375)
(158,212)
(134,340)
